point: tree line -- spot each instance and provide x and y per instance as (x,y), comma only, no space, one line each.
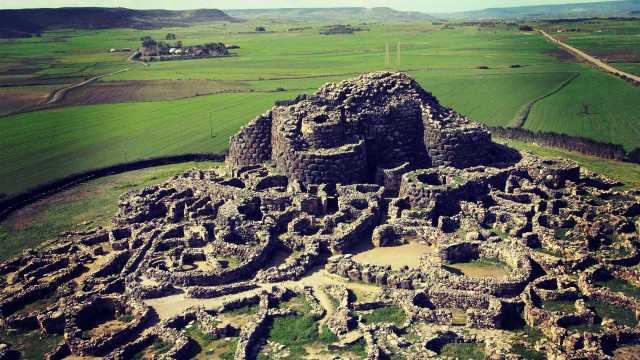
(571,143)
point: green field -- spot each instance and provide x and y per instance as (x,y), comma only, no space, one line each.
(41,146)
(517,67)
(613,112)
(615,41)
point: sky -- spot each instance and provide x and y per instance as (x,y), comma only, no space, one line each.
(428,6)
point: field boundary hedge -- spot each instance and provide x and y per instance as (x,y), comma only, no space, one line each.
(572,143)
(17,201)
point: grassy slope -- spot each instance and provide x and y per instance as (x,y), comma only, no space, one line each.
(41,146)
(613,114)
(91,204)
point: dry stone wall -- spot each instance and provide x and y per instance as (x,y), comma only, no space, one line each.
(347,132)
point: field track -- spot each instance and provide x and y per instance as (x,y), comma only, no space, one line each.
(60,94)
(593,60)
(523,114)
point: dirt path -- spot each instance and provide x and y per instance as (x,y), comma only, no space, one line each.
(593,60)
(523,114)
(59,95)
(169,306)
(324,300)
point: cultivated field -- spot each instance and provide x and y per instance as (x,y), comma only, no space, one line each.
(615,41)
(487,73)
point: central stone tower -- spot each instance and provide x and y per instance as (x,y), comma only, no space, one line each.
(358,131)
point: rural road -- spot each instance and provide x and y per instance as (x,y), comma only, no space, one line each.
(593,60)
(60,94)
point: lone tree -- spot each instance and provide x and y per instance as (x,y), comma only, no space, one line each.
(633,156)
(260,29)
(170,36)
(148,42)
(585,108)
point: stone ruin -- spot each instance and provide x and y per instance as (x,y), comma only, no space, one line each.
(369,164)
(364,130)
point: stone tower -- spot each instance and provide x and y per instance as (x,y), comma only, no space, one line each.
(359,130)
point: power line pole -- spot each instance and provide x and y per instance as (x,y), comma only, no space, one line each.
(398,55)
(210,125)
(387,59)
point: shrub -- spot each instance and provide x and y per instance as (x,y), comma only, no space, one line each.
(148,41)
(260,29)
(634,156)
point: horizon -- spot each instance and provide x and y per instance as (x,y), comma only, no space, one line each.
(429,7)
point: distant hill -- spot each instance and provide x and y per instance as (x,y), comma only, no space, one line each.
(24,22)
(333,15)
(625,8)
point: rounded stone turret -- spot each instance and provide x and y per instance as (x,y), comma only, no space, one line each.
(348,132)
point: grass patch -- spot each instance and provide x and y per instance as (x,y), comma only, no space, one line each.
(85,206)
(125,318)
(209,346)
(299,332)
(327,336)
(560,233)
(232,261)
(157,347)
(459,317)
(389,314)
(467,351)
(295,333)
(297,303)
(359,349)
(594,328)
(33,344)
(619,285)
(501,234)
(566,306)
(619,314)
(530,335)
(481,268)
(245,310)
(548,251)
(527,353)
(606,120)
